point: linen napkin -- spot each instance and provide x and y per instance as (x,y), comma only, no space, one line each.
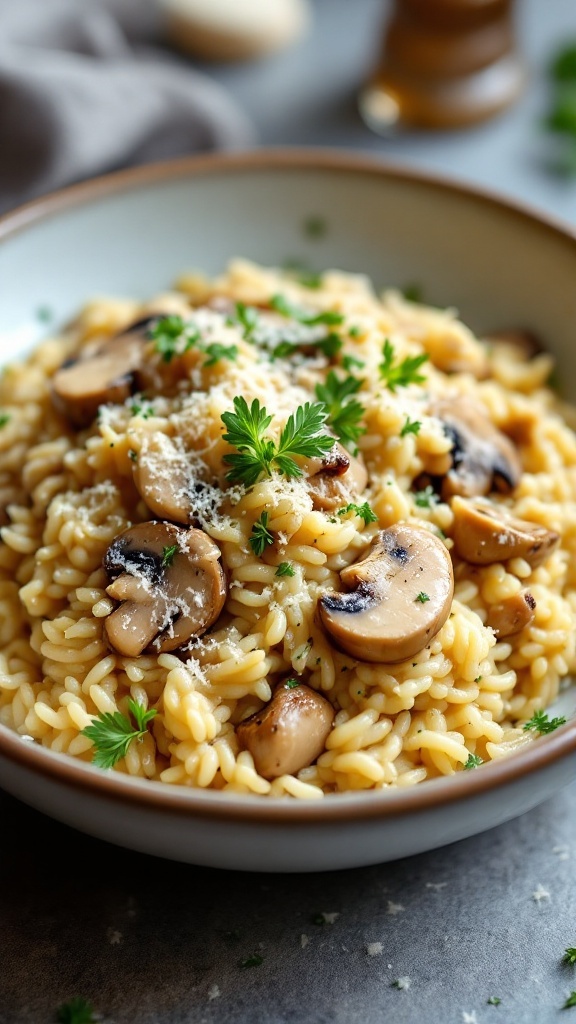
(83,91)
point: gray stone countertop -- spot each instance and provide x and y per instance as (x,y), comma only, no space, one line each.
(427,940)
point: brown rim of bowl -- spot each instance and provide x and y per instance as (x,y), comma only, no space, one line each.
(338,807)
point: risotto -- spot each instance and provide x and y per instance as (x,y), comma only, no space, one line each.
(281,535)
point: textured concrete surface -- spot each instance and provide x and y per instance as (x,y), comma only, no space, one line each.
(153,942)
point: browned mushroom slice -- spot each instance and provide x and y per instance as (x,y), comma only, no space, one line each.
(170,583)
(484,533)
(513,614)
(164,480)
(399,596)
(107,374)
(335,479)
(290,732)
(483,458)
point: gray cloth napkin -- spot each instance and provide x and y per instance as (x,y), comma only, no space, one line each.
(83,92)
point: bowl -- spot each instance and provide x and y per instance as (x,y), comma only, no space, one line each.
(131,234)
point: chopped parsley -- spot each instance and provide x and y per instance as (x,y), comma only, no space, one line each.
(426,498)
(494,1001)
(281,305)
(571,1001)
(422,597)
(257,454)
(168,555)
(292,683)
(216,351)
(172,337)
(112,733)
(569,955)
(350,362)
(251,961)
(77,1011)
(285,569)
(132,455)
(247,317)
(542,724)
(4,419)
(412,292)
(364,511)
(410,427)
(145,411)
(473,761)
(260,537)
(400,374)
(561,115)
(343,411)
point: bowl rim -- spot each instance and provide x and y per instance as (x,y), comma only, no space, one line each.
(339,807)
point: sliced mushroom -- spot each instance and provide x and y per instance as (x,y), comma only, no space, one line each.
(290,732)
(513,614)
(170,583)
(482,457)
(484,533)
(399,596)
(165,480)
(108,373)
(335,479)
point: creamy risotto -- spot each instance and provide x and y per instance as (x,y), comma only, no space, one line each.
(281,535)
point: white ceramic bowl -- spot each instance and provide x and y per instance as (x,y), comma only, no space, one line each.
(132,234)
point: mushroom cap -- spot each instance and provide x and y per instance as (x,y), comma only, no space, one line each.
(162,478)
(335,479)
(167,596)
(107,374)
(290,732)
(484,533)
(399,596)
(512,615)
(483,458)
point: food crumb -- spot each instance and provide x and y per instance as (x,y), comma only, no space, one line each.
(436,885)
(402,983)
(114,937)
(331,917)
(374,948)
(540,894)
(304,940)
(562,851)
(469,1018)
(394,908)
(213,993)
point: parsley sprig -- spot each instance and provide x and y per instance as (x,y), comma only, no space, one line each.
(569,955)
(329,345)
(258,454)
(364,511)
(343,411)
(173,337)
(401,373)
(112,733)
(473,762)
(285,569)
(542,724)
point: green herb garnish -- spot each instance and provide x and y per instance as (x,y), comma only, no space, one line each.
(4,419)
(281,305)
(285,569)
(410,427)
(292,683)
(216,351)
(138,409)
(473,761)
(132,455)
(494,1001)
(260,537)
(364,511)
(168,555)
(426,498)
(258,454)
(422,597)
(77,1011)
(400,374)
(571,1001)
(542,724)
(112,733)
(248,318)
(172,337)
(315,227)
(344,412)
(352,362)
(569,955)
(412,292)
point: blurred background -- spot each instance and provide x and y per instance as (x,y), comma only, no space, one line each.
(483,90)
